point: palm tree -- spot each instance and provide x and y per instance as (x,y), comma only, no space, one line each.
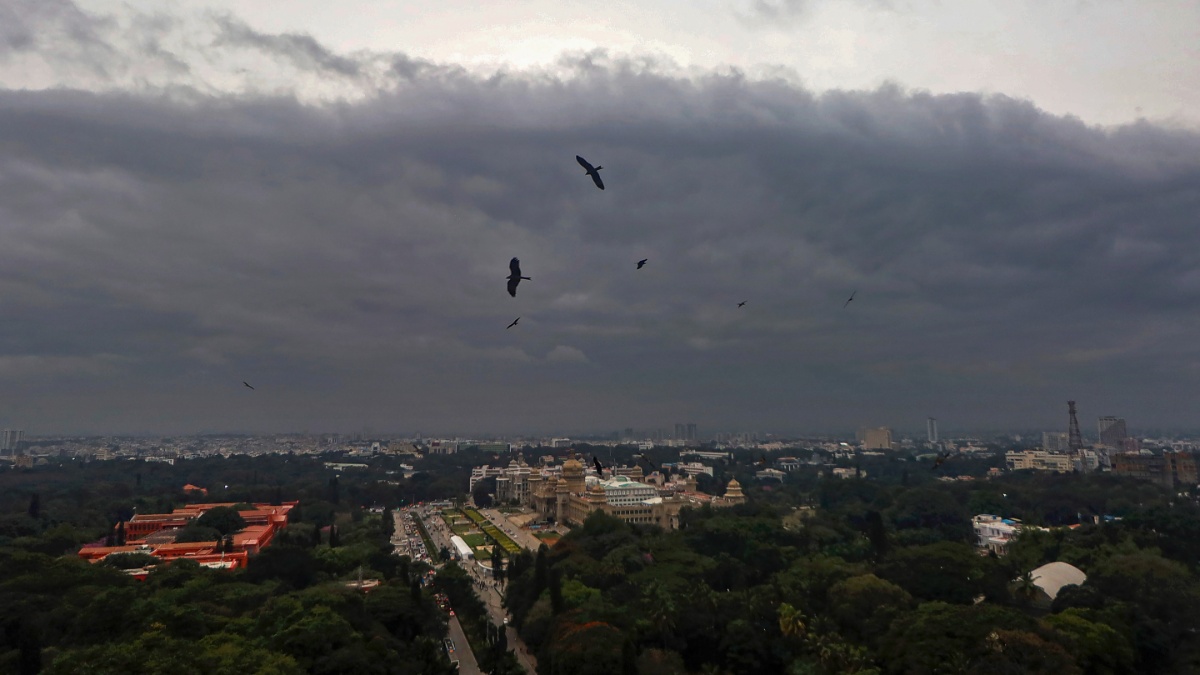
(661,611)
(1026,589)
(792,621)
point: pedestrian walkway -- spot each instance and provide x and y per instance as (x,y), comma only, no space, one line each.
(521,536)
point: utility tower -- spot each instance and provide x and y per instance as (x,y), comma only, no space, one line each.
(1075,439)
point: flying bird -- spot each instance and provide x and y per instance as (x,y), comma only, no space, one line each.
(247,384)
(762,462)
(849,299)
(599,466)
(940,459)
(642,262)
(741,303)
(513,323)
(514,278)
(591,171)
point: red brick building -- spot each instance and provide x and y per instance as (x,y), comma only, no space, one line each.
(153,534)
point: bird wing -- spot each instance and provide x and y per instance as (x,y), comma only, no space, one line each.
(584,163)
(596,179)
(512,286)
(514,266)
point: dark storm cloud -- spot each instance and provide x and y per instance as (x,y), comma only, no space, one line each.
(302,50)
(349,259)
(29,25)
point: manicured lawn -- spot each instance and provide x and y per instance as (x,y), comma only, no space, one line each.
(475,540)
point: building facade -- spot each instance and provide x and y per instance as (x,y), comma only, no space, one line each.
(1170,469)
(1112,432)
(572,495)
(1038,460)
(879,438)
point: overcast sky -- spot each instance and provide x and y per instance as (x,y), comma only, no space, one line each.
(322,199)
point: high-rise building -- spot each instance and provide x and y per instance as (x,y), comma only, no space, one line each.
(876,439)
(691,431)
(931,429)
(10,441)
(1055,441)
(1112,432)
(680,432)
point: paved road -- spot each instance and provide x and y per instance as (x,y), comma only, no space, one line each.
(487,591)
(462,650)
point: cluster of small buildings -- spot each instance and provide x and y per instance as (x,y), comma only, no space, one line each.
(569,492)
(154,534)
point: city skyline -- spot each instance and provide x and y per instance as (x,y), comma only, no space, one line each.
(191,199)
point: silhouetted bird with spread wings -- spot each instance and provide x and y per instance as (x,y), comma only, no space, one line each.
(642,262)
(591,171)
(514,278)
(849,299)
(940,460)
(247,384)
(599,466)
(513,323)
(741,303)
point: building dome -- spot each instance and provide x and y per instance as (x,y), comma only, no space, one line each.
(1051,577)
(572,466)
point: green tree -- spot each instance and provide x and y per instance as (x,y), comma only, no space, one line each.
(498,563)
(1097,647)
(223,519)
(865,606)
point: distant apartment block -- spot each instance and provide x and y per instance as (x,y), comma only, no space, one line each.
(770,474)
(1170,469)
(1056,441)
(879,438)
(706,454)
(1112,432)
(788,464)
(10,441)
(1038,460)
(995,533)
(693,469)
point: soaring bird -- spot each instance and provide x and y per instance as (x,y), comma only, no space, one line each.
(514,278)
(513,323)
(741,303)
(246,383)
(599,466)
(642,262)
(940,459)
(591,171)
(849,299)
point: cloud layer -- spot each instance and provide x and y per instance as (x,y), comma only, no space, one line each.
(160,244)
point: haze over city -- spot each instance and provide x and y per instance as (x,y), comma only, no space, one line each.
(197,194)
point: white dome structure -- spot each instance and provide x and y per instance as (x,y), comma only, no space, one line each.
(1051,577)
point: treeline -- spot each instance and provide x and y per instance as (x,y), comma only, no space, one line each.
(873,578)
(292,610)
